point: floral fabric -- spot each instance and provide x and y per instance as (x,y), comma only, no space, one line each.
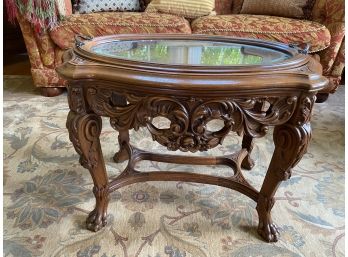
(331,14)
(30,43)
(44,49)
(101,24)
(46,77)
(265,27)
(41,51)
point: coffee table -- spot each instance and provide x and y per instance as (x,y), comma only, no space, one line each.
(190,80)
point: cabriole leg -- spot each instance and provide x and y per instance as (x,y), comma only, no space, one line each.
(84,132)
(291,140)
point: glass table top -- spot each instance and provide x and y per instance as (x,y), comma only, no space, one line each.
(189,52)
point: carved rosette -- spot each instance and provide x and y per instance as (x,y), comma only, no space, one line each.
(189,116)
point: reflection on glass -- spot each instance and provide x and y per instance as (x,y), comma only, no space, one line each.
(190,52)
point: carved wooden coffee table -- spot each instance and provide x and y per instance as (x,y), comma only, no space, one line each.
(191,80)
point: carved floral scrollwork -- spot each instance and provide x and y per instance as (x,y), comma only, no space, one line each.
(189,117)
(87,127)
(291,143)
(279,110)
(291,140)
(306,109)
(227,111)
(75,98)
(84,131)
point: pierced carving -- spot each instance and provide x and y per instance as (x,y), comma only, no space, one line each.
(244,109)
(189,117)
(278,112)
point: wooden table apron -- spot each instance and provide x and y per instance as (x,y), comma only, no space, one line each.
(247,100)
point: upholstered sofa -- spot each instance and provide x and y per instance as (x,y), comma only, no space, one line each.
(324,32)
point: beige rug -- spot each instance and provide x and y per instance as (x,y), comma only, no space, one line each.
(47,194)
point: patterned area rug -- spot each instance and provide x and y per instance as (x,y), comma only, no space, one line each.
(47,194)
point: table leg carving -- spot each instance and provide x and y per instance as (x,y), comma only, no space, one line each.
(248,143)
(291,140)
(84,131)
(123,139)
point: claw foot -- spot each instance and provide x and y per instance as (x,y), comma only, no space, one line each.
(96,221)
(269,232)
(248,163)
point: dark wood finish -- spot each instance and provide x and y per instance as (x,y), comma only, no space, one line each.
(248,99)
(322,97)
(18,64)
(52,91)
(248,141)
(144,4)
(13,39)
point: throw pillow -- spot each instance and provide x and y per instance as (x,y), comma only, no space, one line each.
(186,8)
(90,6)
(286,8)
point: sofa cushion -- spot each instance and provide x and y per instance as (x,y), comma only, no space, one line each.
(109,23)
(272,28)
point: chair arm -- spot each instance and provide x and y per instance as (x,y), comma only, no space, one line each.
(40,46)
(336,70)
(338,65)
(331,14)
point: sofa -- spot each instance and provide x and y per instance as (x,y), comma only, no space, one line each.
(324,32)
